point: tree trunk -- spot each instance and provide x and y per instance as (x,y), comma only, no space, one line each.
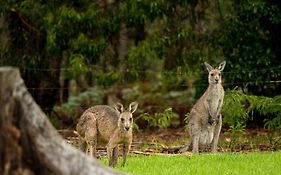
(29,144)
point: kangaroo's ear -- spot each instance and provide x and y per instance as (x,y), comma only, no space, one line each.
(221,66)
(208,66)
(133,107)
(119,107)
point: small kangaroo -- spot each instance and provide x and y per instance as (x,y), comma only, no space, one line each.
(205,120)
(103,124)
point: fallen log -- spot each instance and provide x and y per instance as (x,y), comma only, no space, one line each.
(29,144)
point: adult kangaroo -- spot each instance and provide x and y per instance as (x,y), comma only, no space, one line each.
(205,120)
(103,124)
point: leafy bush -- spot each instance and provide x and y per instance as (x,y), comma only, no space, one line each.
(75,105)
(239,107)
(235,131)
(274,107)
(108,78)
(158,120)
(235,109)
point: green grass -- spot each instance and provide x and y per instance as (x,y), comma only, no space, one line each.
(205,164)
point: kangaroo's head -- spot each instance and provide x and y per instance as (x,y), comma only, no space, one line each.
(126,115)
(215,73)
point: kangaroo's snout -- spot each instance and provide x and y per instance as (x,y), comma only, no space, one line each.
(127,128)
(127,125)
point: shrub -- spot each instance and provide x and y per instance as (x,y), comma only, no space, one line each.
(239,107)
(75,105)
(158,120)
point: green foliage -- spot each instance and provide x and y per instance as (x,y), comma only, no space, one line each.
(236,131)
(248,38)
(107,78)
(76,65)
(57,122)
(274,107)
(132,93)
(235,108)
(75,105)
(141,62)
(238,108)
(153,99)
(274,123)
(162,43)
(158,120)
(273,138)
(88,47)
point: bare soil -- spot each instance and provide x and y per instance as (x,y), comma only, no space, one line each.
(169,141)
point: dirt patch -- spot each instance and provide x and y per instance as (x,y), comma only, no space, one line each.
(168,141)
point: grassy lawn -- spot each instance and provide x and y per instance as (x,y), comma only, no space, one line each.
(206,164)
(256,158)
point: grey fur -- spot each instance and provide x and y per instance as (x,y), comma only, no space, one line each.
(103,124)
(205,120)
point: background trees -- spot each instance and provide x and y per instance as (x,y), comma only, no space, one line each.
(73,54)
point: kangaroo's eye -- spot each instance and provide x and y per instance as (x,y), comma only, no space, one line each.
(131,119)
(219,74)
(212,74)
(122,120)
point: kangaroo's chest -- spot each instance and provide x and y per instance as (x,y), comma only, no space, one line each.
(213,100)
(124,136)
(214,96)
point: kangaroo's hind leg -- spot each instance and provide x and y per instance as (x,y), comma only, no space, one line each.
(195,137)
(194,129)
(115,156)
(91,138)
(126,148)
(91,146)
(216,135)
(195,143)
(111,151)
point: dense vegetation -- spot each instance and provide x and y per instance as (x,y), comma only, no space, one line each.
(73,54)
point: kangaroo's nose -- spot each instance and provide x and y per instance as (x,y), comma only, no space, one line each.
(127,128)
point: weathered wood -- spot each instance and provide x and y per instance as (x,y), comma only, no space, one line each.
(29,144)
